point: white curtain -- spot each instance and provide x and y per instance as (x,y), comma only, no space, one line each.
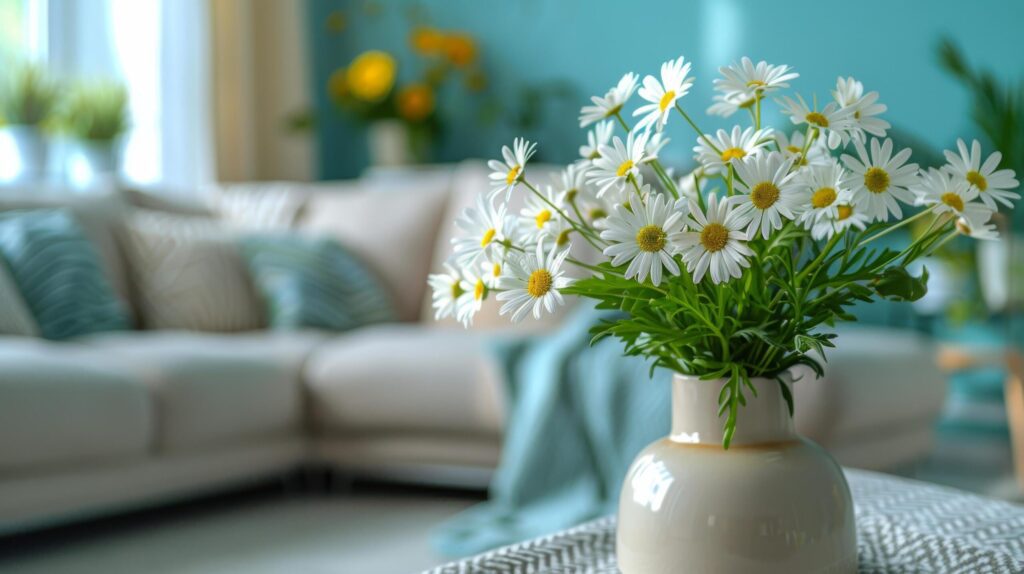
(160,49)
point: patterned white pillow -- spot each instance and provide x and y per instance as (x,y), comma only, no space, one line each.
(15,318)
(189,274)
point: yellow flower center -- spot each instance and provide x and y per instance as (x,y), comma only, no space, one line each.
(496,270)
(824,197)
(614,110)
(597,213)
(624,168)
(480,290)
(513,175)
(651,238)
(733,153)
(563,237)
(817,119)
(876,180)
(457,290)
(953,200)
(714,237)
(977,180)
(755,84)
(539,283)
(856,115)
(488,237)
(843,212)
(542,218)
(666,100)
(793,149)
(764,195)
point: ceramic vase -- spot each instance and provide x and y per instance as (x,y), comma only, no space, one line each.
(30,147)
(92,162)
(390,144)
(773,502)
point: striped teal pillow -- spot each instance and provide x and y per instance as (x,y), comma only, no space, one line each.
(314,282)
(59,274)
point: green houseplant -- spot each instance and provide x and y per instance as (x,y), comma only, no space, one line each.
(94,117)
(27,103)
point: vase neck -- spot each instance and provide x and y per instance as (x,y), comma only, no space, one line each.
(765,419)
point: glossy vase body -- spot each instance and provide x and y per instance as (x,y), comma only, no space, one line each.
(31,148)
(389,142)
(773,503)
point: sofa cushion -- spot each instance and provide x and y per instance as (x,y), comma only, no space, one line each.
(390,228)
(62,404)
(15,318)
(215,389)
(314,282)
(99,213)
(189,274)
(405,378)
(262,206)
(59,274)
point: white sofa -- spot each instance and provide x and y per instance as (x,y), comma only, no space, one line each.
(117,421)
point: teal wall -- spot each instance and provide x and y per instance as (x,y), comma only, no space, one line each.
(888,44)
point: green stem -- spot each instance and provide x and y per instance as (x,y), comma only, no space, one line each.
(757,114)
(622,122)
(665,179)
(821,257)
(889,230)
(586,233)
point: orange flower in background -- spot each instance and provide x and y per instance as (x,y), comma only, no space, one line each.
(426,41)
(415,102)
(460,49)
(337,85)
(371,75)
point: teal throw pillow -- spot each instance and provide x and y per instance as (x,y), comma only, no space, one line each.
(314,282)
(58,272)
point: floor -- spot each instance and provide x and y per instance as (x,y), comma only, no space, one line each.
(371,529)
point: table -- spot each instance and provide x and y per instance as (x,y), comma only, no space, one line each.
(903,526)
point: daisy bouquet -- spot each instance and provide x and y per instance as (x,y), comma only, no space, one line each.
(738,269)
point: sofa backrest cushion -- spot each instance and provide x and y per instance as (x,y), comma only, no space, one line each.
(15,318)
(260,206)
(314,282)
(58,273)
(189,274)
(391,226)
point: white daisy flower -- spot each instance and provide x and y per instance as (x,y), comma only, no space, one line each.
(986,231)
(730,146)
(846,216)
(880,179)
(690,184)
(641,237)
(713,242)
(532,282)
(618,162)
(767,192)
(467,307)
(505,176)
(572,184)
(485,227)
(824,192)
(791,146)
(994,185)
(598,136)
(849,94)
(654,145)
(746,81)
(946,193)
(491,272)
(559,231)
(538,213)
(725,106)
(674,84)
(448,289)
(611,103)
(834,123)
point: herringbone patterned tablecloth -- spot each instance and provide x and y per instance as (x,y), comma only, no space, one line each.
(903,526)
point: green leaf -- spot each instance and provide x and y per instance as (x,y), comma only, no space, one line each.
(898,284)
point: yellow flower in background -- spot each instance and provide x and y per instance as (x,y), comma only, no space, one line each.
(337,85)
(460,49)
(371,75)
(415,102)
(426,40)
(336,22)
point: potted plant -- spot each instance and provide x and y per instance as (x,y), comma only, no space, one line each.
(94,117)
(26,104)
(731,278)
(402,117)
